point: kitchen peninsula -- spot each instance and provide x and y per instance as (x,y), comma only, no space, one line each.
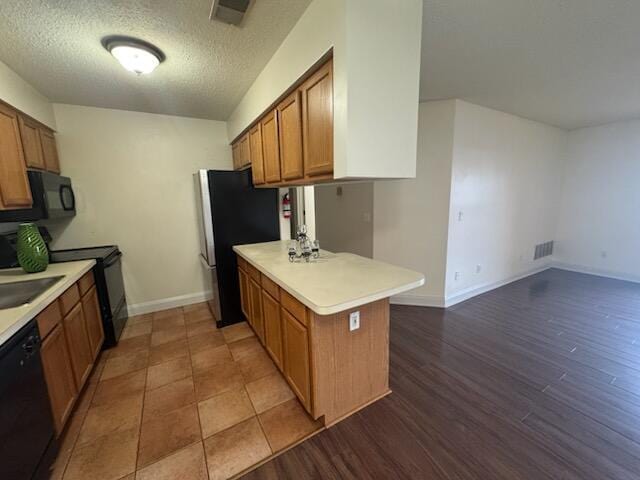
(325,323)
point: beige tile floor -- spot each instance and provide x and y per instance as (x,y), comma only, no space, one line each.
(178,398)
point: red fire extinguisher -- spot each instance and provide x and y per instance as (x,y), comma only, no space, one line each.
(286,206)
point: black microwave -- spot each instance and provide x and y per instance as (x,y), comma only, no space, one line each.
(52,197)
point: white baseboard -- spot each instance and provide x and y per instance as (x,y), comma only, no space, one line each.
(479,290)
(166,303)
(418,300)
(595,271)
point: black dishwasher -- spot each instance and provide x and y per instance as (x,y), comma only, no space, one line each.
(27,442)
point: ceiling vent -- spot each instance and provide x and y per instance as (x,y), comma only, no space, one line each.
(229,11)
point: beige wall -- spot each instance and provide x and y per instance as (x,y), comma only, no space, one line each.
(343,217)
(411,216)
(18,93)
(487,192)
(598,227)
(505,194)
(132,173)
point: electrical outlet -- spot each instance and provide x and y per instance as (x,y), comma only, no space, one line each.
(460,215)
(354,321)
(478,268)
(456,276)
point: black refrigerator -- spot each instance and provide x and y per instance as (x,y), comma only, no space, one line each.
(231,212)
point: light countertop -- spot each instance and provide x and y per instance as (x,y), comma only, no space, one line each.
(332,283)
(13,319)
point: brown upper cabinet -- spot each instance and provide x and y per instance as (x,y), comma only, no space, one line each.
(255,154)
(297,135)
(49,151)
(270,147)
(290,136)
(317,122)
(31,144)
(245,152)
(14,185)
(240,153)
(235,154)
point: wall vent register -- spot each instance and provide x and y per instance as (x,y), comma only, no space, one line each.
(543,250)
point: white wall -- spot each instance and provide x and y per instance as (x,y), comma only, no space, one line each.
(344,217)
(503,173)
(21,95)
(599,224)
(506,181)
(376,62)
(410,218)
(132,173)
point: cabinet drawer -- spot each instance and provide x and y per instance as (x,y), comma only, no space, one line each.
(85,283)
(49,318)
(271,287)
(295,308)
(69,298)
(242,263)
(253,272)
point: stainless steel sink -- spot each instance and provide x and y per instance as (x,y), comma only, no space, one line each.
(15,294)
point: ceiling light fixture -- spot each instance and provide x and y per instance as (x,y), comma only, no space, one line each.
(134,55)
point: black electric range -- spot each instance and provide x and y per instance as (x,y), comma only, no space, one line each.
(109,285)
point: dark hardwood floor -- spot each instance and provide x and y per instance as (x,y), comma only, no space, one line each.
(539,379)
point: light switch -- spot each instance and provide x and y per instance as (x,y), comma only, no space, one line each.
(354,321)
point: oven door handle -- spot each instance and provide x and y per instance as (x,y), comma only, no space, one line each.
(114,261)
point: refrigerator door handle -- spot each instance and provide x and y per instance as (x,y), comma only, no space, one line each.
(205,264)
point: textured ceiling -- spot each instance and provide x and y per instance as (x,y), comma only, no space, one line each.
(55,46)
(569,63)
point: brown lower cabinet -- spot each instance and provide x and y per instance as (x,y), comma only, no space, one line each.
(75,326)
(295,343)
(93,318)
(244,293)
(58,374)
(71,328)
(285,338)
(272,328)
(333,371)
(257,322)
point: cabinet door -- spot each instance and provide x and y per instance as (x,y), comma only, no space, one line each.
(14,185)
(272,327)
(317,122)
(257,321)
(290,136)
(93,318)
(295,342)
(49,151)
(31,143)
(235,153)
(244,294)
(255,150)
(75,329)
(58,374)
(270,147)
(245,151)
